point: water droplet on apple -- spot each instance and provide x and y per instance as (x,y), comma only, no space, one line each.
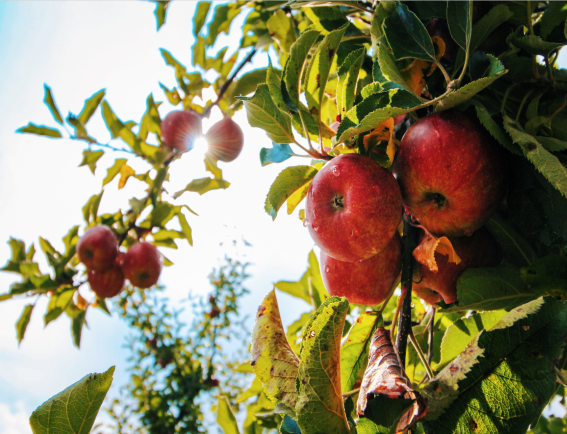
(316,228)
(327,269)
(336,171)
(305,223)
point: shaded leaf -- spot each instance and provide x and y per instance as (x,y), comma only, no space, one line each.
(535,45)
(282,29)
(548,275)
(320,404)
(348,79)
(203,185)
(494,128)
(200,16)
(505,376)
(58,302)
(407,36)
(286,183)
(515,248)
(289,426)
(90,158)
(274,362)
(160,12)
(73,411)
(459,19)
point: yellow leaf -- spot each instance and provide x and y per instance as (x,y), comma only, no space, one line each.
(125,173)
(81,302)
(297,197)
(383,132)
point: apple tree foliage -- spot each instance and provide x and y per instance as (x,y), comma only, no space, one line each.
(489,363)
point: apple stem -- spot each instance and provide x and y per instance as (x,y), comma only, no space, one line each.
(409,241)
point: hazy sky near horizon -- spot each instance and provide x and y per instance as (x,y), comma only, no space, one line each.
(78,48)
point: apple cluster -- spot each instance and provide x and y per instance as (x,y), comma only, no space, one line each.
(181,129)
(448,177)
(108,268)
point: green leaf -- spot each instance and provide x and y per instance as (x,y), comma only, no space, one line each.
(50,103)
(278,153)
(247,83)
(388,68)
(199,54)
(407,36)
(545,162)
(459,19)
(185,227)
(274,82)
(491,289)
(319,68)
(40,130)
(459,96)
(224,14)
(348,79)
(23,322)
(459,334)
(282,29)
(111,172)
(90,209)
(160,12)
(225,416)
(516,249)
(203,185)
(548,275)
(320,405)
(90,106)
(90,158)
(274,362)
(151,121)
(295,64)
(552,144)
(534,45)
(58,303)
(200,16)
(374,110)
(504,378)
(78,320)
(263,113)
(494,128)
(554,15)
(354,351)
(286,183)
(74,410)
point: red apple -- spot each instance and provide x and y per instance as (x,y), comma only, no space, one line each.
(225,140)
(142,265)
(478,250)
(451,173)
(368,281)
(353,208)
(106,283)
(180,129)
(98,248)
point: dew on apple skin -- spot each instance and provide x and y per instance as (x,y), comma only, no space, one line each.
(327,269)
(316,228)
(335,170)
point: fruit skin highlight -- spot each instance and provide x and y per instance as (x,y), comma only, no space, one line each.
(98,248)
(451,173)
(225,140)
(180,129)
(368,281)
(478,250)
(142,265)
(106,283)
(353,208)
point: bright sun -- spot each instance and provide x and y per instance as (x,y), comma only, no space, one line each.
(200,146)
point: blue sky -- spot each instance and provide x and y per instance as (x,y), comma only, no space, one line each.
(78,48)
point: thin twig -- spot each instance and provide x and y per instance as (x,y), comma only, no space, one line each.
(430,327)
(228,82)
(420,354)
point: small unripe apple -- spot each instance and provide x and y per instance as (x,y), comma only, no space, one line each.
(368,281)
(478,250)
(353,208)
(180,129)
(225,140)
(451,172)
(98,248)
(106,283)
(142,264)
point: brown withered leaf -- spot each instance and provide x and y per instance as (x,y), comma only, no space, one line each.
(424,253)
(273,360)
(383,132)
(385,379)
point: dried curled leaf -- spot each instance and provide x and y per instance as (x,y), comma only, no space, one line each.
(384,377)
(383,132)
(424,253)
(274,362)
